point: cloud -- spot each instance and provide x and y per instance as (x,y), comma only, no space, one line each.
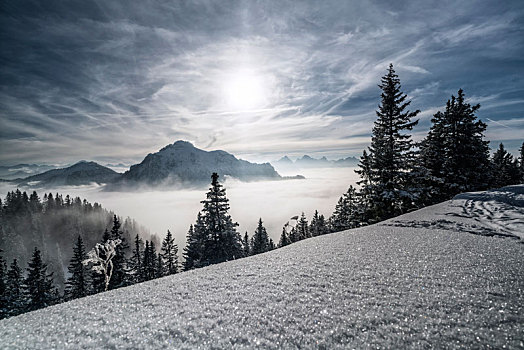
(115,81)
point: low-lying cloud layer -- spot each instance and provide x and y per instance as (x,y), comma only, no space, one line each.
(116,80)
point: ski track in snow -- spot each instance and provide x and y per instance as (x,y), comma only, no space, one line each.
(391,285)
(489,213)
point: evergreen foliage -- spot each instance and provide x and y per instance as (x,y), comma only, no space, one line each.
(169,254)
(386,171)
(284,238)
(119,277)
(38,285)
(302,229)
(346,214)
(246,245)
(260,240)
(14,292)
(505,168)
(77,284)
(3,290)
(454,155)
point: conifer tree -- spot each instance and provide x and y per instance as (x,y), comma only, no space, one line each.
(195,244)
(3,289)
(284,239)
(505,169)
(98,280)
(302,228)
(245,243)
(454,154)
(38,285)
(271,244)
(15,296)
(346,214)
(77,284)
(521,163)
(223,242)
(135,263)
(260,240)
(314,228)
(391,154)
(169,254)
(293,235)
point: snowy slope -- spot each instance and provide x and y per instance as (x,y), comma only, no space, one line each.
(445,276)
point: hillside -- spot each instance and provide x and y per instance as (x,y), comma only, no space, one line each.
(447,276)
(181,163)
(81,173)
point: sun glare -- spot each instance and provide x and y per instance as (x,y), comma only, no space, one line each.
(244,90)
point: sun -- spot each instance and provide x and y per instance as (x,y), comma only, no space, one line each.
(244,90)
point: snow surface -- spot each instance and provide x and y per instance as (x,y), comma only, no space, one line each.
(446,276)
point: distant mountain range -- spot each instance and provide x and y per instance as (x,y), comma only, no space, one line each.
(19,171)
(81,173)
(310,162)
(180,163)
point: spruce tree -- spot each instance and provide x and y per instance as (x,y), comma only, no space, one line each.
(302,228)
(38,285)
(284,239)
(3,289)
(245,243)
(346,214)
(223,242)
(77,284)
(454,154)
(521,163)
(391,154)
(260,240)
(15,296)
(505,169)
(195,244)
(136,261)
(98,280)
(169,254)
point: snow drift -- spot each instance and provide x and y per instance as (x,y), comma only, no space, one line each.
(447,276)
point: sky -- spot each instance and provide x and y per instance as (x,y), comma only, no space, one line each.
(112,81)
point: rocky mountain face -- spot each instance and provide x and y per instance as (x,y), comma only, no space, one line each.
(81,173)
(182,163)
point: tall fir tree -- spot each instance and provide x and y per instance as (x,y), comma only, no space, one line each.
(246,245)
(77,284)
(38,285)
(260,240)
(222,242)
(391,157)
(15,295)
(136,261)
(284,238)
(505,168)
(195,244)
(3,290)
(302,229)
(346,214)
(454,154)
(169,254)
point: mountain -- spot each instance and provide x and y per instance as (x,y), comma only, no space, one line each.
(309,162)
(23,170)
(435,277)
(183,164)
(81,173)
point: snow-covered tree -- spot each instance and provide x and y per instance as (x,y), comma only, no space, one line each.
(77,284)
(119,261)
(169,254)
(100,258)
(521,163)
(302,228)
(136,261)
(346,214)
(3,289)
